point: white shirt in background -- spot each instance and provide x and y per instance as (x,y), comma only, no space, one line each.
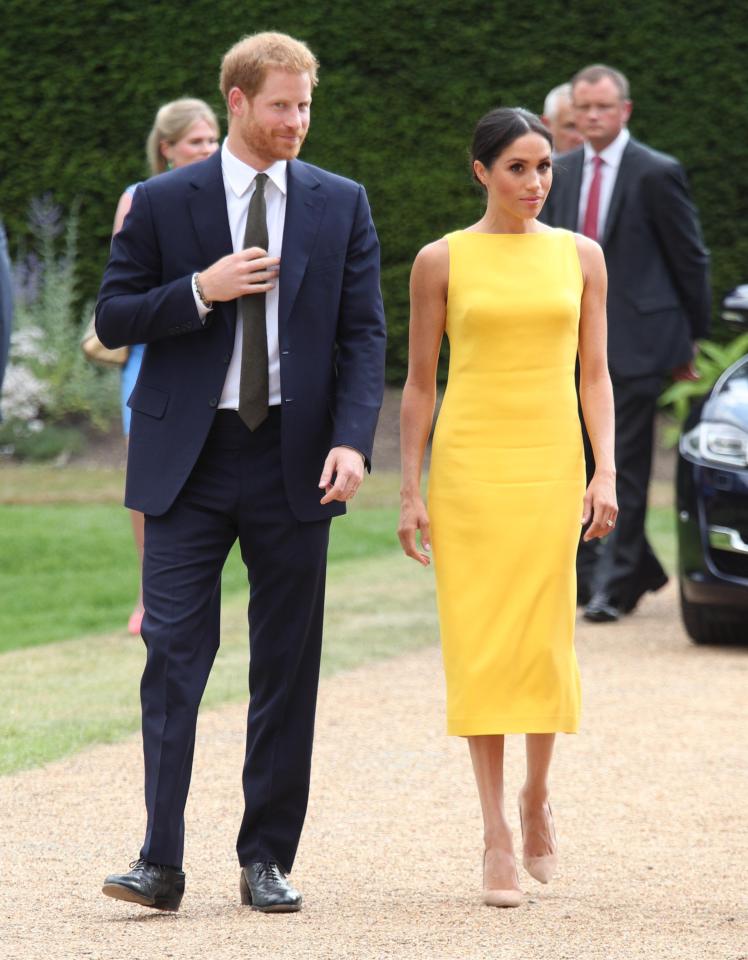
(611,157)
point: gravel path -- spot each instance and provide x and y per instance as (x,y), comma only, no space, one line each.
(649,802)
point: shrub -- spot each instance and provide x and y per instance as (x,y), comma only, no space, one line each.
(51,393)
(711,362)
(402,83)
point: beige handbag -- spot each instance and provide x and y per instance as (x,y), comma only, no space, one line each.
(95,351)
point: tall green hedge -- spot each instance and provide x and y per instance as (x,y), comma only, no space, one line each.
(401,85)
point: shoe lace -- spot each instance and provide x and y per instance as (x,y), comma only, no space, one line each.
(270,871)
(141,863)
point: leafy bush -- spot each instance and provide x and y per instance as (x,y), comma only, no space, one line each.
(711,362)
(51,393)
(50,443)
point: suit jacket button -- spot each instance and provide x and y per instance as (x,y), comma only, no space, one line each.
(213,402)
(227,358)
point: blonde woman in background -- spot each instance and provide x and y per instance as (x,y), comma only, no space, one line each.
(183,132)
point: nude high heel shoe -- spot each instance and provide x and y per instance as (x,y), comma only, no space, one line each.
(500,898)
(540,868)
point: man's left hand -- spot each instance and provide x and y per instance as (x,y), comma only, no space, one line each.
(346,465)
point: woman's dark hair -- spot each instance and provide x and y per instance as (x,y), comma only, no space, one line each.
(495,131)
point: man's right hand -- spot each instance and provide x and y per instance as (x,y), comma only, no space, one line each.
(687,371)
(238,274)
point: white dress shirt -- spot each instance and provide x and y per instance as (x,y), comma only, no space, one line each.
(611,157)
(239,184)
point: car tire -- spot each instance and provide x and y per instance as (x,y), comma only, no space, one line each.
(704,627)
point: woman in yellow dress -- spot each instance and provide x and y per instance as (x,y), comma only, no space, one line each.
(518,301)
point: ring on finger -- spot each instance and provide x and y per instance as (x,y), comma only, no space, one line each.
(610,523)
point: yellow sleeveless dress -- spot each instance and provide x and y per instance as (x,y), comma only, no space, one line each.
(506,484)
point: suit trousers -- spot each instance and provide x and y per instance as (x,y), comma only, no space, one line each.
(235,490)
(628,567)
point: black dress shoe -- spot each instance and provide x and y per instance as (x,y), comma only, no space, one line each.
(149,884)
(651,586)
(601,609)
(264,886)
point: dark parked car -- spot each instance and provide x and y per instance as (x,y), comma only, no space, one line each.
(712,502)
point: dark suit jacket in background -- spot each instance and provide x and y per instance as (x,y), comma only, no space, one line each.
(330,328)
(658,267)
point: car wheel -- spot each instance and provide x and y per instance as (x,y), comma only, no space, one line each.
(704,625)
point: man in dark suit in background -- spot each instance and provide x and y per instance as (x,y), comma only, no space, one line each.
(254,280)
(635,202)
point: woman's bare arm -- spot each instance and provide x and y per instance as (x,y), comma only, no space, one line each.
(596,392)
(428,307)
(123,208)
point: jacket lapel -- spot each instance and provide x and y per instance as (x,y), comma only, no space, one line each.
(571,196)
(207,206)
(563,210)
(619,190)
(304,206)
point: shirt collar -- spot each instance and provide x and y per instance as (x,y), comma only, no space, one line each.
(613,153)
(240,176)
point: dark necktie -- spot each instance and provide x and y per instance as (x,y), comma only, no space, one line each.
(253,382)
(592,213)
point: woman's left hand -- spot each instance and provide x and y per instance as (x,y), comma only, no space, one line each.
(600,506)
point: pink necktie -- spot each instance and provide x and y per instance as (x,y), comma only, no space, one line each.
(591,214)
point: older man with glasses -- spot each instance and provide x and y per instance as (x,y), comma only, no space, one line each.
(558,116)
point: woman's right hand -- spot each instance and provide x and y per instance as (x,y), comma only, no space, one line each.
(414,518)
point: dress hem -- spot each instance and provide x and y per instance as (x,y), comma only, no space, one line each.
(487,726)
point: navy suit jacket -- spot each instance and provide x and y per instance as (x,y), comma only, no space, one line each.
(330,327)
(658,268)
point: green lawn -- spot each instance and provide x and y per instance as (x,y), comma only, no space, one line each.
(85,691)
(67,560)
(70,569)
(40,483)
(67,582)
